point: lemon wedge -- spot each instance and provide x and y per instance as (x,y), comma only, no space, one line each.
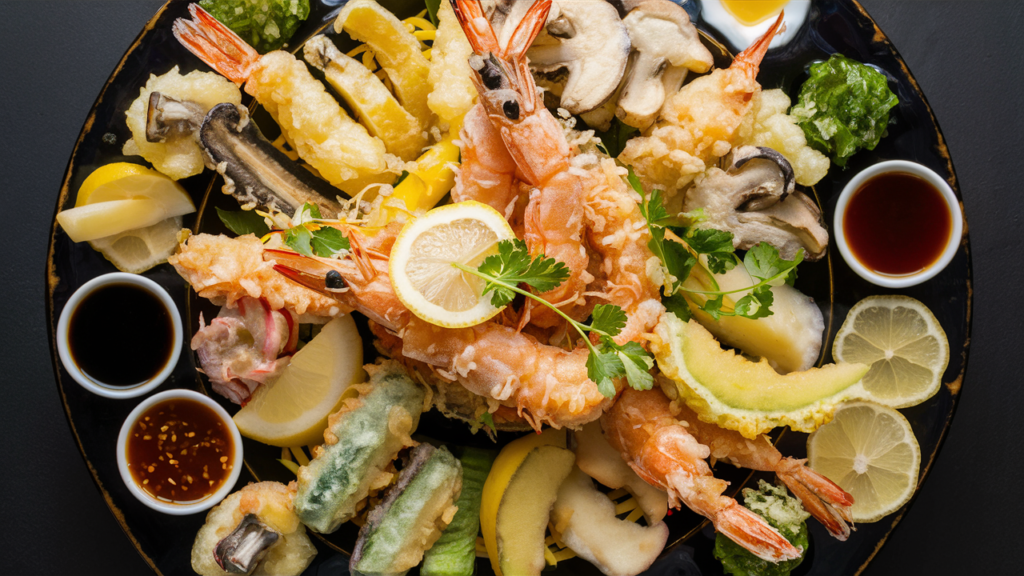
(127,203)
(135,251)
(902,342)
(421,268)
(293,410)
(106,174)
(870,451)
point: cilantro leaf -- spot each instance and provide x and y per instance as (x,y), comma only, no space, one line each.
(329,241)
(717,244)
(677,259)
(608,318)
(713,306)
(602,368)
(637,363)
(513,265)
(764,263)
(243,222)
(677,305)
(299,238)
(756,304)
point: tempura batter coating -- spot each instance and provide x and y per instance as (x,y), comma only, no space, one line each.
(272,503)
(453,93)
(340,148)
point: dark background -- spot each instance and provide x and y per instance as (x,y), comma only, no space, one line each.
(55,57)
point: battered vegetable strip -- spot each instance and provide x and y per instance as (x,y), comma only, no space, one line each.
(397,50)
(367,96)
(451,79)
(340,149)
(265,24)
(361,440)
(454,554)
(411,518)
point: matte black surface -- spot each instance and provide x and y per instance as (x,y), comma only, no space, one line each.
(57,55)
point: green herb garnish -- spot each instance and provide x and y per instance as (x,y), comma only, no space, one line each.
(843,107)
(243,222)
(432,7)
(309,238)
(782,512)
(513,265)
(762,262)
(613,141)
(264,24)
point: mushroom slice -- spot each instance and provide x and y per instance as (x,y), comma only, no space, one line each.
(588,40)
(166,116)
(665,46)
(257,173)
(754,199)
(240,551)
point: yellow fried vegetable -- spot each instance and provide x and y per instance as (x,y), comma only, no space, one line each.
(451,79)
(313,123)
(397,50)
(367,96)
(178,156)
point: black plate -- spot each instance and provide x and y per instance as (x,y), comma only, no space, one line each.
(836,26)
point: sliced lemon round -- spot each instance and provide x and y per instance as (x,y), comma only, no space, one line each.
(106,174)
(871,452)
(293,410)
(135,251)
(902,342)
(421,269)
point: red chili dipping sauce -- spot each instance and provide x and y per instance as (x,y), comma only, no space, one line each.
(897,224)
(180,450)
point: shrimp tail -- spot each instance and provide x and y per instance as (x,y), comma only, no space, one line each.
(216,45)
(471,17)
(750,59)
(750,531)
(528,29)
(828,503)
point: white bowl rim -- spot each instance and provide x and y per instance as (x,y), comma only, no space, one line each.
(952,204)
(167,507)
(64,351)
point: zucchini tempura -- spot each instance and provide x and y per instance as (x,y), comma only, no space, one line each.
(453,93)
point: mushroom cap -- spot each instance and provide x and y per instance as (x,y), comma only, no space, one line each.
(755,200)
(665,46)
(590,41)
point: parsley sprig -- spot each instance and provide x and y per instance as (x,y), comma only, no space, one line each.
(677,242)
(513,265)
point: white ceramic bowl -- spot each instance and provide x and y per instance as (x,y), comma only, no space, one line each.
(163,505)
(952,204)
(64,351)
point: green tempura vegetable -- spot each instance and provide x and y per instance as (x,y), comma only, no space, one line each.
(265,24)
(785,514)
(843,107)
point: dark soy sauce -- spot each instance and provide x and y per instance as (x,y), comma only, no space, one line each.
(120,335)
(897,224)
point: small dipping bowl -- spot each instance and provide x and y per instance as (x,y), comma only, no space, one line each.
(183,507)
(64,328)
(929,271)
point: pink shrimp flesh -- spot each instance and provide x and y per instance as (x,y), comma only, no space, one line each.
(641,427)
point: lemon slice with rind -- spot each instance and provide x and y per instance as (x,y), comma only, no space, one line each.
(106,174)
(128,203)
(421,269)
(871,452)
(135,251)
(293,410)
(903,343)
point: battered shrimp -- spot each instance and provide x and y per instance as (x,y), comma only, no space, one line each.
(487,171)
(544,384)
(699,122)
(619,234)
(661,451)
(553,220)
(828,503)
(313,123)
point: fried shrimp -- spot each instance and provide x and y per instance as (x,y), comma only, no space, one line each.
(699,122)
(642,428)
(313,123)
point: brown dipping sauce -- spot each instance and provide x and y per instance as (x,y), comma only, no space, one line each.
(180,450)
(897,224)
(121,335)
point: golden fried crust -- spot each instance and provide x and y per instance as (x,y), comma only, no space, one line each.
(225,270)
